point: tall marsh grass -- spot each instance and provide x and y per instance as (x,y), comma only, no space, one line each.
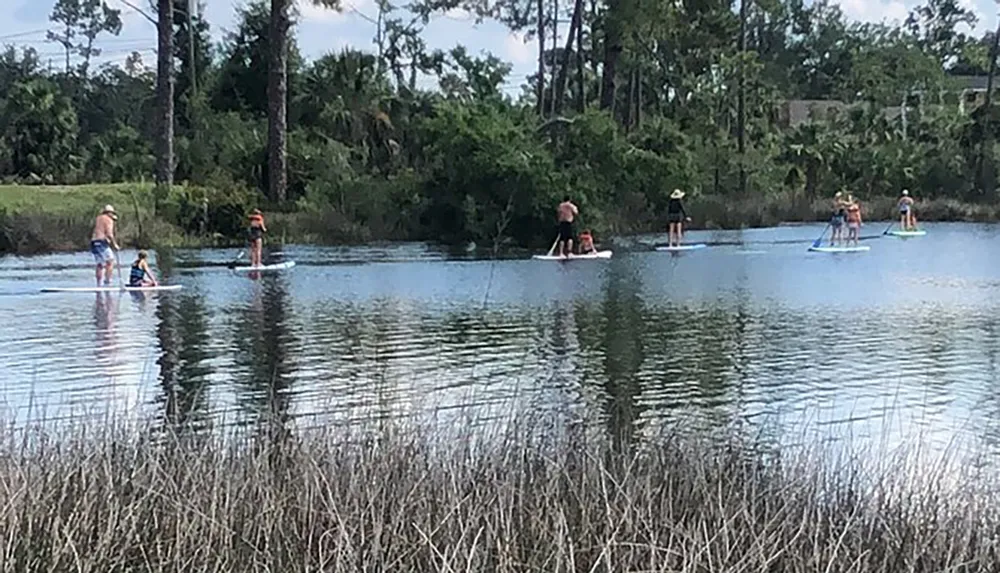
(398,499)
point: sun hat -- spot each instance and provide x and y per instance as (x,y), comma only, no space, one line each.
(110,210)
(677,194)
(906,192)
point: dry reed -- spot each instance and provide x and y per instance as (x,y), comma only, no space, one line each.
(522,499)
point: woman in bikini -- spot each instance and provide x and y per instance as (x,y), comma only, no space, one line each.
(256,236)
(907,221)
(853,221)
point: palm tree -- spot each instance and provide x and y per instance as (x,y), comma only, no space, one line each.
(277,95)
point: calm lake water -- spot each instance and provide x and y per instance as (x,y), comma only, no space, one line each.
(901,340)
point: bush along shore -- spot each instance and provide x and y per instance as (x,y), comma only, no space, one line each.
(399,499)
(44,219)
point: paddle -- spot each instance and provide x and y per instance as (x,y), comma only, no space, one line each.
(118,265)
(239,256)
(554,243)
(889,228)
(819,240)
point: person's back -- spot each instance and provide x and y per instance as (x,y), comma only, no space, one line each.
(104,227)
(567,211)
(102,242)
(140,270)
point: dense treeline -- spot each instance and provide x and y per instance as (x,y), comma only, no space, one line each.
(642,97)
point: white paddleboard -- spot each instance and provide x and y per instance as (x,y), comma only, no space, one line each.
(908,233)
(588,256)
(682,247)
(113,289)
(264,268)
(858,249)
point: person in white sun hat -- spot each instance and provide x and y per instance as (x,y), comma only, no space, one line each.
(906,218)
(102,241)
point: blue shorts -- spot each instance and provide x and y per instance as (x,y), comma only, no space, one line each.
(102,252)
(837,221)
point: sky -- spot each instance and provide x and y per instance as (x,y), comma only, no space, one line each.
(24,22)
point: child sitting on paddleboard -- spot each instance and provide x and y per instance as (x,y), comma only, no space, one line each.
(140,270)
(853,220)
(586,243)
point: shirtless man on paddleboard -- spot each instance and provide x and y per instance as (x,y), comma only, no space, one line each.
(102,241)
(567,212)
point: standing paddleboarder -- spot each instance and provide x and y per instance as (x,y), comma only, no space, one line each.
(102,243)
(853,221)
(839,218)
(567,212)
(907,221)
(676,217)
(256,236)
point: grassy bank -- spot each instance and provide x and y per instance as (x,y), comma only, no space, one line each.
(37,219)
(396,500)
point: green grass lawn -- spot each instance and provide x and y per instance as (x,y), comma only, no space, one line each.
(73,200)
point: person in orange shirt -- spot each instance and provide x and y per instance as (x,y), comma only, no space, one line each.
(256,236)
(853,220)
(586,242)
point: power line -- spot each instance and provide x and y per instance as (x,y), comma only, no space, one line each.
(23,34)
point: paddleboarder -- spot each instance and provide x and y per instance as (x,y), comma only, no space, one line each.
(256,236)
(586,243)
(907,221)
(102,243)
(676,217)
(839,218)
(567,212)
(853,220)
(140,270)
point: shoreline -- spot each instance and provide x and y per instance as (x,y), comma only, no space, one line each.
(47,220)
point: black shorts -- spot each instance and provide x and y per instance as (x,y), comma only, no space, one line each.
(254,233)
(675,217)
(565,231)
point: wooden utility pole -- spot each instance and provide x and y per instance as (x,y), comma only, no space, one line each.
(277,100)
(541,58)
(165,95)
(555,47)
(986,144)
(581,93)
(741,112)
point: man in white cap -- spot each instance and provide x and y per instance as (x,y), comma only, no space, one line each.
(102,241)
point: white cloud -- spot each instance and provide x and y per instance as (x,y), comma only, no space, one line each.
(459,14)
(310,12)
(874,10)
(517,50)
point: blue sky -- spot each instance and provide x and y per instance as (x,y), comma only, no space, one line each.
(321,30)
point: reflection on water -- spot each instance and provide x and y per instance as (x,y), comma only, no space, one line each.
(908,332)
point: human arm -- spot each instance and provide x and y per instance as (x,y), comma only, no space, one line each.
(149,272)
(111,235)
